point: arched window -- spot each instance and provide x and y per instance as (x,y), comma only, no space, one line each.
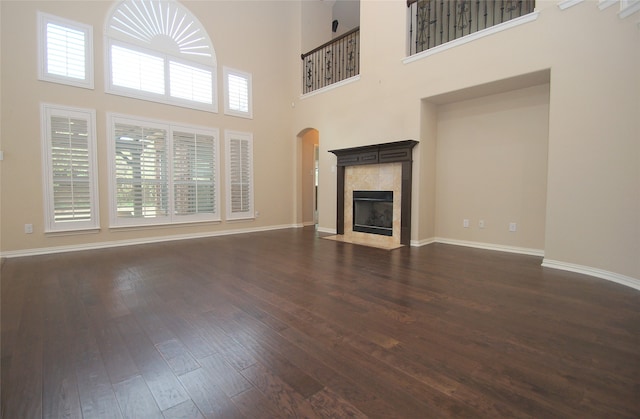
(157,50)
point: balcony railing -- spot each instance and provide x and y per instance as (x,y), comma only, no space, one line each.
(332,62)
(435,22)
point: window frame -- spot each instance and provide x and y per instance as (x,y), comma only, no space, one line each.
(249,214)
(171,218)
(43,74)
(215,133)
(165,97)
(166,29)
(48,110)
(227,71)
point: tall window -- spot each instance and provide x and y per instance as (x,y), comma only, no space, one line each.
(162,173)
(239,151)
(65,51)
(237,93)
(158,51)
(69,162)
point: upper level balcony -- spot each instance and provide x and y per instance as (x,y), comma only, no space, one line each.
(331,62)
(436,22)
(430,23)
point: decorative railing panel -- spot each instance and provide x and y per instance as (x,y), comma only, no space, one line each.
(332,62)
(435,22)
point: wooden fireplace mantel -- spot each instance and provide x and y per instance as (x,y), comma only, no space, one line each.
(399,151)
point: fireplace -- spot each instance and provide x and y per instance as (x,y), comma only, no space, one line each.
(382,168)
(373,212)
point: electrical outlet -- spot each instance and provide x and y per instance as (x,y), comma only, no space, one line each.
(512,227)
(257,214)
(28,228)
(465,223)
(481,223)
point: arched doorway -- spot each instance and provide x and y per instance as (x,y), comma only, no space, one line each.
(308,145)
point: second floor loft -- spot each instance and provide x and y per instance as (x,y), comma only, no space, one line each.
(331,62)
(436,22)
(431,25)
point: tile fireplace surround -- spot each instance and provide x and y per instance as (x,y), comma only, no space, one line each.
(373,177)
(376,167)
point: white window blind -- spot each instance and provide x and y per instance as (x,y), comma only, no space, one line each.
(141,171)
(65,51)
(162,173)
(194,173)
(237,90)
(69,155)
(136,70)
(190,83)
(239,152)
(66,54)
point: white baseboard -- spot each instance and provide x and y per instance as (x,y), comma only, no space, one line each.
(598,273)
(547,263)
(491,246)
(327,230)
(423,242)
(133,242)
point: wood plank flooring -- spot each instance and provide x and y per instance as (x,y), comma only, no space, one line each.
(286,324)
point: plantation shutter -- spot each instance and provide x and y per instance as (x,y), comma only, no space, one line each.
(66,51)
(141,172)
(136,70)
(239,176)
(190,83)
(69,152)
(194,173)
(238,93)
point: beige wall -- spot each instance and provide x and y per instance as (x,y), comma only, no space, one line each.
(263,47)
(491,165)
(590,58)
(347,13)
(316,24)
(592,61)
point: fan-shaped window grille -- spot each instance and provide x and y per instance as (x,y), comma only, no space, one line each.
(157,50)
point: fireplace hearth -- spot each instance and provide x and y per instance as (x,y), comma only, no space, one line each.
(373,212)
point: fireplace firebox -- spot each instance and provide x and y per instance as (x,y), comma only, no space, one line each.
(373,212)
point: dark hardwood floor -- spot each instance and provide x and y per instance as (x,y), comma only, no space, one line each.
(285,324)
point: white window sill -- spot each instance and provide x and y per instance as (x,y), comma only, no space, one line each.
(135,227)
(71,232)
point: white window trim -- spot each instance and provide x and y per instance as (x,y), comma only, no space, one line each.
(46,111)
(565,4)
(165,98)
(249,214)
(227,106)
(171,219)
(43,74)
(167,29)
